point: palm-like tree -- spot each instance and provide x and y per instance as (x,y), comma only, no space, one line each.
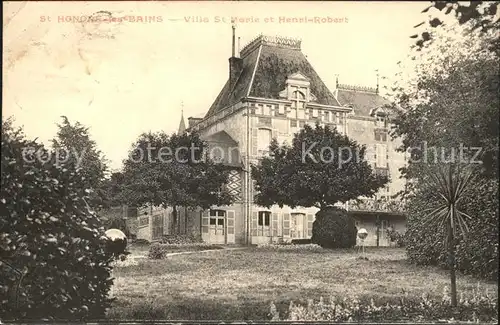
(449,184)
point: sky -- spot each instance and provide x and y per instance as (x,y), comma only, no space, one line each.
(124,78)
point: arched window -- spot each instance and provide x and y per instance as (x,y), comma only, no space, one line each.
(298,99)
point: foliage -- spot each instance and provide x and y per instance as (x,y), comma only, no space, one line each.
(482,15)
(182,239)
(73,142)
(450,100)
(479,306)
(334,228)
(397,237)
(477,253)
(293,248)
(53,261)
(320,168)
(159,251)
(189,178)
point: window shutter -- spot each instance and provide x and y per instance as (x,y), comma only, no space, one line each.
(310,220)
(230,226)
(254,142)
(255,219)
(286,224)
(274,224)
(205,217)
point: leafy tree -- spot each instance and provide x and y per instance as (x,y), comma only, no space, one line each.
(53,258)
(173,171)
(480,15)
(75,146)
(448,112)
(320,168)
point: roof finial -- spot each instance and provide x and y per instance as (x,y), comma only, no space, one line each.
(336,81)
(377,81)
(182,125)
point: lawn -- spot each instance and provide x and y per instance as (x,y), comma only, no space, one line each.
(241,284)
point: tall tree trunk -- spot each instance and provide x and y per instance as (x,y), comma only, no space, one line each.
(451,262)
(378,230)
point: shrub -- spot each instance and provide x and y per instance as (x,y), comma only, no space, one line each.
(477,253)
(301,241)
(53,261)
(293,248)
(396,237)
(334,228)
(181,239)
(158,250)
(141,241)
(476,307)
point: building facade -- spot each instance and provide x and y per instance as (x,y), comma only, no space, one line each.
(272,91)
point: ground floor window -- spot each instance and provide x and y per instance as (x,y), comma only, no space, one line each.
(264,222)
(217,219)
(297,225)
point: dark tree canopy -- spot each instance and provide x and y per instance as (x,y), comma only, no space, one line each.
(481,14)
(320,168)
(173,171)
(73,142)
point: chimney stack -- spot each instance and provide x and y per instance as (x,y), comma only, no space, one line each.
(234,35)
(235,64)
(239,49)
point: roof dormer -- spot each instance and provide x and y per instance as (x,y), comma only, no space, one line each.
(297,88)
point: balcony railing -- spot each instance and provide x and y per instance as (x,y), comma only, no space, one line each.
(372,205)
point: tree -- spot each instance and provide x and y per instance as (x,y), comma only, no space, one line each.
(174,171)
(53,258)
(448,109)
(449,183)
(74,146)
(320,168)
(481,15)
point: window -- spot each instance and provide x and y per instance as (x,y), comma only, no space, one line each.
(264,222)
(298,99)
(263,141)
(293,123)
(326,116)
(264,218)
(380,135)
(381,155)
(301,124)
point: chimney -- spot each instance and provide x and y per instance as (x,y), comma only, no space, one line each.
(235,64)
(239,50)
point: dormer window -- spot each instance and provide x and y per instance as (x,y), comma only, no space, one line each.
(298,99)
(297,90)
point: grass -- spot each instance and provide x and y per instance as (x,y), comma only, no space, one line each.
(240,284)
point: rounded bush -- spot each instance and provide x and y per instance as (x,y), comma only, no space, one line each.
(334,228)
(53,258)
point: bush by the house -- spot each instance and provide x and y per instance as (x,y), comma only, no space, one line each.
(182,239)
(396,237)
(334,228)
(477,252)
(53,261)
(158,251)
(301,241)
(475,307)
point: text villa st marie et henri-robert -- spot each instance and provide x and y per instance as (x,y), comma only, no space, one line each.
(270,19)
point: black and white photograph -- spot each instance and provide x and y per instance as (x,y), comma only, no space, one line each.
(220,162)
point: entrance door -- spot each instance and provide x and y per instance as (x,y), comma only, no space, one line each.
(216,228)
(297,225)
(157,227)
(384,238)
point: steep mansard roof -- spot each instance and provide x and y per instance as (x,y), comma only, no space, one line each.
(267,63)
